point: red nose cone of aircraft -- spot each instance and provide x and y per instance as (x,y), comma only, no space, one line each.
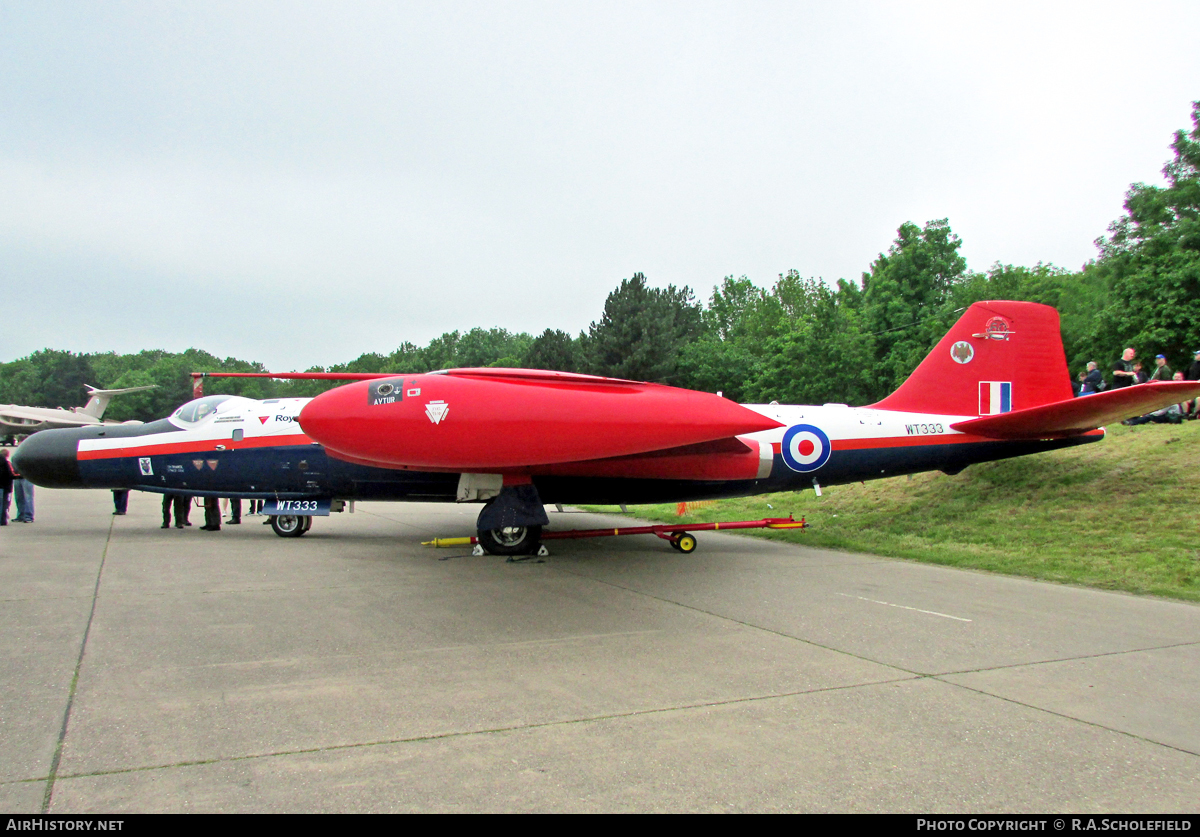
(494,419)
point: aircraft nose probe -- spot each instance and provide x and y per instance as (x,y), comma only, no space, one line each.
(49,458)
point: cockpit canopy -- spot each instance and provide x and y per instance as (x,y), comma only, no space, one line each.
(201,408)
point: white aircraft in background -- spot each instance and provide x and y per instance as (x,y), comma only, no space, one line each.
(18,420)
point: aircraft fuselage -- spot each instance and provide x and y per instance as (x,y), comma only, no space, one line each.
(256,449)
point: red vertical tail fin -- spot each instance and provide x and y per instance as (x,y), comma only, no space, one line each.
(999,357)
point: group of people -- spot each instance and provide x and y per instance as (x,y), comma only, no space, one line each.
(181,505)
(13,485)
(1128,371)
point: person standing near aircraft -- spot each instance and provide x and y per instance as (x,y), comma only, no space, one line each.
(120,500)
(23,488)
(1123,374)
(6,486)
(212,515)
(235,509)
(1193,374)
(1093,381)
(181,503)
(1193,371)
(1162,372)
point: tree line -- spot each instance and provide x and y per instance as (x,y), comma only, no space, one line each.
(799,341)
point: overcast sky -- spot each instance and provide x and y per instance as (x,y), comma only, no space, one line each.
(299,183)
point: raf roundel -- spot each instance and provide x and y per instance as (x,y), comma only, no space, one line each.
(805,448)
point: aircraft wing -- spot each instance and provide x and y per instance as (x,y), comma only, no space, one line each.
(1079,415)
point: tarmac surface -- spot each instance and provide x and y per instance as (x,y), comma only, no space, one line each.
(144,669)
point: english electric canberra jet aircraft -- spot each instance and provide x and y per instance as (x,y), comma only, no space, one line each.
(996,386)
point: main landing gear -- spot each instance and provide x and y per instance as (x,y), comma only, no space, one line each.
(510,540)
(511,523)
(291,525)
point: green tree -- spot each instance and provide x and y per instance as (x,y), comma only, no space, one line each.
(407,358)
(490,347)
(1151,261)
(171,374)
(307,388)
(554,350)
(740,316)
(47,378)
(369,362)
(1078,297)
(147,405)
(442,351)
(709,364)
(643,331)
(825,357)
(19,383)
(903,298)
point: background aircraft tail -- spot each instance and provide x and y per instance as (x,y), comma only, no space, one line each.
(999,357)
(98,402)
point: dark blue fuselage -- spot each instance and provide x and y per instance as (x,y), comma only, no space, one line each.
(289,471)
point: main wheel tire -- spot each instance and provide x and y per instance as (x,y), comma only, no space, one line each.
(288,525)
(511,540)
(308,519)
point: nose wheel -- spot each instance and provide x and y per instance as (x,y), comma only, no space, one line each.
(291,525)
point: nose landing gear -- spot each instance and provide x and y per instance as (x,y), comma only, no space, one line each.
(291,525)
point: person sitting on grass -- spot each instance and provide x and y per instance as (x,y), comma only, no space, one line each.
(1171,414)
(1187,409)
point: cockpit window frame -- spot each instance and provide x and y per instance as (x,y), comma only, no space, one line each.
(191,412)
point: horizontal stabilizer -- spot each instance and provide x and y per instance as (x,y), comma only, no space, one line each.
(98,399)
(1079,415)
(94,391)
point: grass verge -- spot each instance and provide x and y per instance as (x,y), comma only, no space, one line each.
(1121,514)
